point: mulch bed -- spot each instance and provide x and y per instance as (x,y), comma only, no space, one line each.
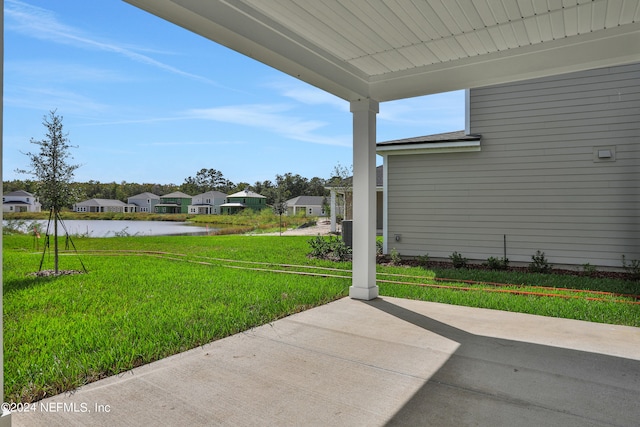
(471,266)
(50,273)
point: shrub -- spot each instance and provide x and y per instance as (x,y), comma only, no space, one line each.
(395,257)
(21,226)
(497,263)
(123,233)
(423,260)
(588,269)
(458,260)
(319,247)
(14,226)
(632,268)
(332,249)
(341,252)
(539,263)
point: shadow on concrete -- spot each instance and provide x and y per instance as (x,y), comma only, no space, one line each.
(497,382)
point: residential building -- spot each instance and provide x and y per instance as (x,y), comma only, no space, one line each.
(20,201)
(242,200)
(208,203)
(104,205)
(145,202)
(549,164)
(308,205)
(176,202)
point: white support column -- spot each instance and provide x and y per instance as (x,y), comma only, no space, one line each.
(333,211)
(363,285)
(385,204)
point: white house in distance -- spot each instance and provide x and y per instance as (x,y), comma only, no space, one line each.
(207,203)
(549,164)
(20,201)
(309,205)
(104,205)
(145,202)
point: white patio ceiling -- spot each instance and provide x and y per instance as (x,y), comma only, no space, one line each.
(394,49)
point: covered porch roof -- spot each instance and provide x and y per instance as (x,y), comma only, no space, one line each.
(367,52)
(393,49)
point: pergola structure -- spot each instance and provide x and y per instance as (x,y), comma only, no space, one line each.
(371,51)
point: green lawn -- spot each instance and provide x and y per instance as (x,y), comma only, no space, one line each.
(145,298)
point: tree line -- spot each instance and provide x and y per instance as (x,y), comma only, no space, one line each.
(283,186)
(54,184)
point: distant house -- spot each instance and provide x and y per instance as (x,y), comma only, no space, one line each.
(176,202)
(104,205)
(145,202)
(309,205)
(244,200)
(208,203)
(20,201)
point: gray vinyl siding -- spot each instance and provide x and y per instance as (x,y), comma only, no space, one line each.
(536,180)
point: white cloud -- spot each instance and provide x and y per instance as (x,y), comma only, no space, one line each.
(192,143)
(67,101)
(273,118)
(56,71)
(40,23)
(309,95)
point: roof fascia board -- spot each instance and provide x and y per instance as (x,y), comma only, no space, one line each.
(429,148)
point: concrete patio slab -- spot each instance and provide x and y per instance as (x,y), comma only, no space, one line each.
(383,362)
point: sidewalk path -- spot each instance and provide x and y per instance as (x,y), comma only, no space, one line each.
(323,228)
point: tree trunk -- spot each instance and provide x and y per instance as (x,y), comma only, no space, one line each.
(55,241)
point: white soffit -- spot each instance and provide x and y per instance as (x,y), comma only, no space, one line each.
(394,49)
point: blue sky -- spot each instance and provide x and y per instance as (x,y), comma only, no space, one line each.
(146,101)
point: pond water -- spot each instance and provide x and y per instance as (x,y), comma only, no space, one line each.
(112,228)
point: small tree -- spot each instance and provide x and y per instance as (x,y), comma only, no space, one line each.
(280,206)
(342,182)
(52,171)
